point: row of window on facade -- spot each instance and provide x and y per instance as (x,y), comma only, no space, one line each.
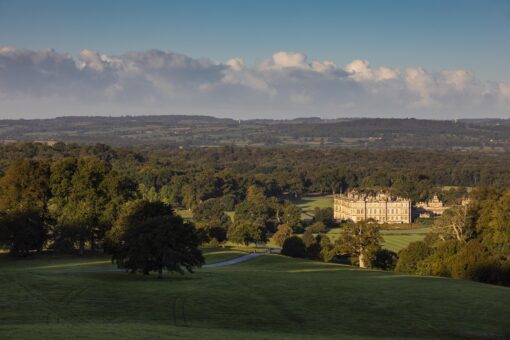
(378,211)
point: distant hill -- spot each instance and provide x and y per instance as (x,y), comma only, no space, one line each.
(491,135)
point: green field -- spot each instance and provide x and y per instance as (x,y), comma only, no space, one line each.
(271,297)
(309,203)
(395,240)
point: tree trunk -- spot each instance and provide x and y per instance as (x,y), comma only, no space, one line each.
(361,259)
(82,247)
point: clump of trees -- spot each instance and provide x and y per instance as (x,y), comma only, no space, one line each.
(24,217)
(86,195)
(211,220)
(259,215)
(466,242)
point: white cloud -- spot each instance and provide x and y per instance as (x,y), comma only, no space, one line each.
(458,79)
(504,89)
(287,84)
(288,59)
(360,70)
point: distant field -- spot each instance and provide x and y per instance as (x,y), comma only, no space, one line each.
(309,203)
(393,239)
(396,240)
(188,214)
(271,297)
(452,187)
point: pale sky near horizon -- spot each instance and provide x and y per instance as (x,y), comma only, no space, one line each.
(255,59)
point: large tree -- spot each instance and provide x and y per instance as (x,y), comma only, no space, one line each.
(283,232)
(357,239)
(87,195)
(149,236)
(254,217)
(288,213)
(453,224)
(24,195)
(210,218)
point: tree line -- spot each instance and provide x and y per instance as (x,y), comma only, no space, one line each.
(470,242)
(186,177)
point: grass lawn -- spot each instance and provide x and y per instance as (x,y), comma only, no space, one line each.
(309,203)
(188,214)
(396,240)
(271,297)
(393,239)
(214,255)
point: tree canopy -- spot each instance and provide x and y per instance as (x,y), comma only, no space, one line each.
(357,238)
(149,236)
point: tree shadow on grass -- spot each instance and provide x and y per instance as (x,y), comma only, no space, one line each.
(121,276)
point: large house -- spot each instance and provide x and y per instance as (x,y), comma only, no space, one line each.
(382,207)
(433,207)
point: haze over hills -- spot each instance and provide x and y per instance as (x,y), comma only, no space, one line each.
(489,135)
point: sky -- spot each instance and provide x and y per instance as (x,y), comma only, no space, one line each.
(255,59)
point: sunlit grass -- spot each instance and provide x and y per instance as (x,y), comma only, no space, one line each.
(270,297)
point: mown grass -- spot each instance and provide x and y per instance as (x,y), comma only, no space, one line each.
(271,297)
(309,203)
(214,255)
(395,240)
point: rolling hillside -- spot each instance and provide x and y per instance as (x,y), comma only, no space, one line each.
(271,297)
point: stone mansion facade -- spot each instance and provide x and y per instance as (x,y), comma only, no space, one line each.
(382,207)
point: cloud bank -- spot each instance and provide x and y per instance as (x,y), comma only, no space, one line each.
(47,83)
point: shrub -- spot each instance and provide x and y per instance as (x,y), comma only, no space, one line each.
(294,247)
(409,258)
(385,259)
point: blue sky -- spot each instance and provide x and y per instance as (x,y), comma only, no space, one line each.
(433,35)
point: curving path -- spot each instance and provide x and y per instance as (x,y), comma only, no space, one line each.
(240,259)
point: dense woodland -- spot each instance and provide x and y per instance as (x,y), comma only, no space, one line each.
(186,177)
(72,198)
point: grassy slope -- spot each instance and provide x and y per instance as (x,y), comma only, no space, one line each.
(271,297)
